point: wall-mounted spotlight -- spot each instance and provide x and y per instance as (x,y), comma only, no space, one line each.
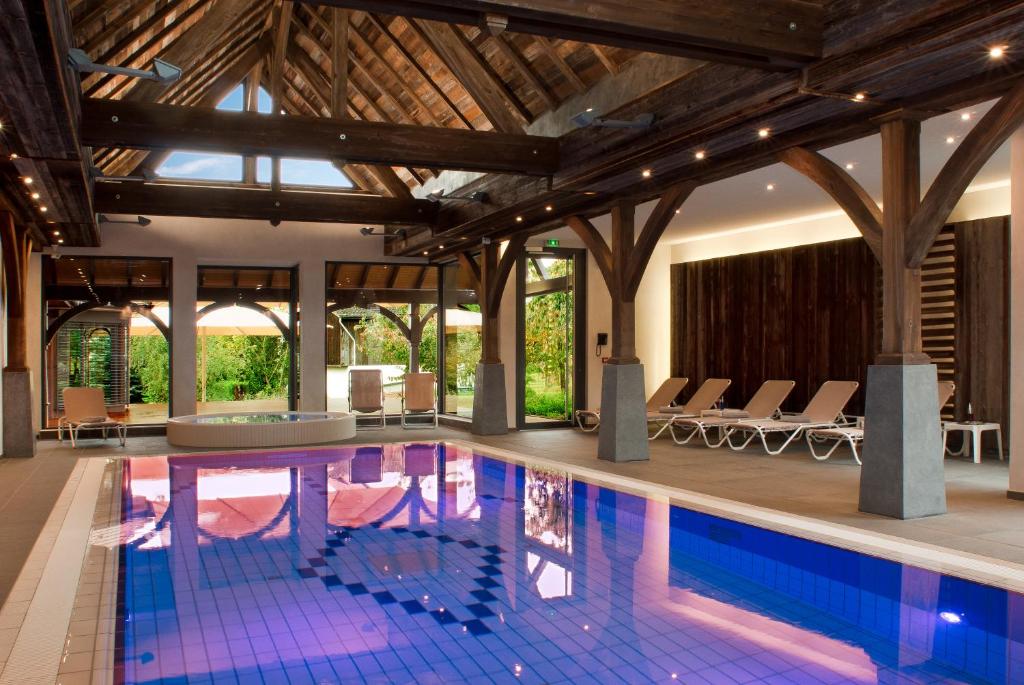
(369,230)
(147,176)
(139,220)
(478,196)
(162,72)
(588,118)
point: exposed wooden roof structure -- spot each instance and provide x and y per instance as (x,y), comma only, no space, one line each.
(398,91)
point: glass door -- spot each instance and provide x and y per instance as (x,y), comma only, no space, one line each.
(551,312)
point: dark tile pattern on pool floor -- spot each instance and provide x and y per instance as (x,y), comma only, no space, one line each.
(428,564)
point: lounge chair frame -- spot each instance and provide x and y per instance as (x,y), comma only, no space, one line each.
(73,426)
(369,412)
(432,412)
(657,400)
(829,393)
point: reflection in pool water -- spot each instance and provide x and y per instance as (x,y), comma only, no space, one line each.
(428,563)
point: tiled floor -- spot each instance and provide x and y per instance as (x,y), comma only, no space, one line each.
(981,519)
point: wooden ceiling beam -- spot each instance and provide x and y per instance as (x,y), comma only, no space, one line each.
(166,199)
(154,126)
(340,30)
(770,34)
(462,59)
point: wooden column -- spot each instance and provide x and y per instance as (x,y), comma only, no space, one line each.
(623,433)
(17,246)
(623,301)
(901,286)
(490,331)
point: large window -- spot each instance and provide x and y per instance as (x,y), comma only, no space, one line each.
(209,166)
(379,316)
(107,327)
(462,339)
(245,339)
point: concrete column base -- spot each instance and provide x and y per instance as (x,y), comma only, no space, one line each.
(903,472)
(623,432)
(490,409)
(19,435)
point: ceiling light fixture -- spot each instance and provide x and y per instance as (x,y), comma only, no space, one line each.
(699,154)
(860,97)
(587,118)
(548,208)
(997,51)
(43,209)
(478,196)
(950,140)
(966,116)
(646,173)
(14,156)
(163,72)
(27,180)
(369,230)
(770,187)
(764,133)
(140,220)
(849,166)
(519,219)
(35,196)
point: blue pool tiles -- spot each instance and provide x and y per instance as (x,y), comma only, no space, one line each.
(426,563)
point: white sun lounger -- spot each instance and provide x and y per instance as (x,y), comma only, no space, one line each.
(663,396)
(823,411)
(854,435)
(703,400)
(85,408)
(763,405)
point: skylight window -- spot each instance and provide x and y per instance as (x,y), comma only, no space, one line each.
(207,166)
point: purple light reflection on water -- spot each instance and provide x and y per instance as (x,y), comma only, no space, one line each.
(427,563)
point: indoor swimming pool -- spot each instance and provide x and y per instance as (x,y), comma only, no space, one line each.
(428,563)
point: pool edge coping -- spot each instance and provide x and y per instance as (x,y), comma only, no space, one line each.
(999,573)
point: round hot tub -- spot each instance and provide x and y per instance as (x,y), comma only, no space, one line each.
(260,429)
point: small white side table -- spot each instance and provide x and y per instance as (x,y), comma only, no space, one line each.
(973,447)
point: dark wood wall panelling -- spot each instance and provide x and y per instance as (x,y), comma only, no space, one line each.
(804,313)
(810,313)
(983,322)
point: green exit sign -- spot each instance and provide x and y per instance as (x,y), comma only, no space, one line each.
(551,242)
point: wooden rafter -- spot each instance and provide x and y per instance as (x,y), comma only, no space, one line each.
(769,34)
(499,106)
(575,82)
(509,51)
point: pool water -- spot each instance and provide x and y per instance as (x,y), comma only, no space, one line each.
(426,563)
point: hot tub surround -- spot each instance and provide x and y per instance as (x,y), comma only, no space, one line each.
(260,429)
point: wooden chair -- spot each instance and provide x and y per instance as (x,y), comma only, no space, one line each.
(85,408)
(419,398)
(366,395)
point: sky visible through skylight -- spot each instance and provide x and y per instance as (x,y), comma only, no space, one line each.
(208,166)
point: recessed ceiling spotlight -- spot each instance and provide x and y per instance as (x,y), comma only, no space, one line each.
(646,173)
(849,166)
(440,247)
(519,219)
(27,180)
(699,154)
(35,196)
(966,116)
(677,211)
(425,253)
(56,233)
(14,156)
(997,51)
(950,140)
(43,208)
(548,208)
(764,133)
(860,97)
(770,187)
(60,241)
